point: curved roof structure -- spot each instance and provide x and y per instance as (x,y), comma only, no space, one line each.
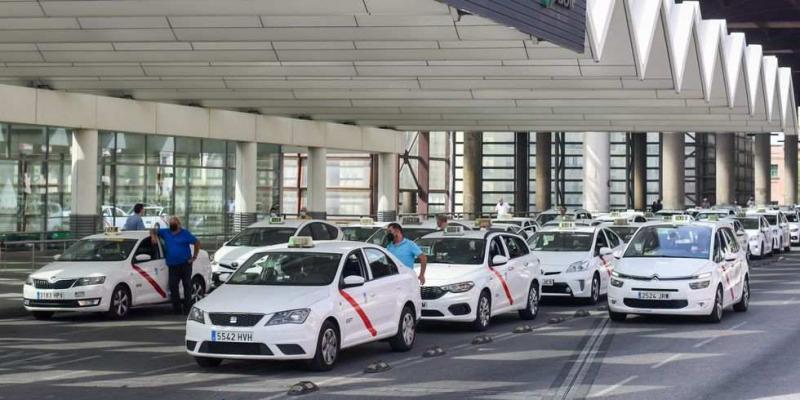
(649,65)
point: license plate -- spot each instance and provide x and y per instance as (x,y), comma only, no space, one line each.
(653,296)
(239,337)
(548,282)
(49,295)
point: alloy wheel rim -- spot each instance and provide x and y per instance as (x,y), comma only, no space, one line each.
(484,310)
(746,294)
(120,302)
(532,302)
(595,289)
(329,346)
(408,329)
(718,304)
(197,292)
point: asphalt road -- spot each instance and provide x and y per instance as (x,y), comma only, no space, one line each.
(754,355)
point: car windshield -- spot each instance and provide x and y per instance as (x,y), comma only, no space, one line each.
(358,233)
(507,222)
(771,218)
(706,216)
(749,223)
(256,237)
(380,237)
(450,250)
(791,217)
(671,242)
(287,269)
(112,249)
(624,232)
(561,241)
(545,218)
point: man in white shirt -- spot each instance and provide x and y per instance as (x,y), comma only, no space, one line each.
(503,208)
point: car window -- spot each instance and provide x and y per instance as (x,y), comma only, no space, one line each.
(319,232)
(514,249)
(380,264)
(146,246)
(522,244)
(333,232)
(732,246)
(601,242)
(354,265)
(496,249)
(613,238)
(290,268)
(718,246)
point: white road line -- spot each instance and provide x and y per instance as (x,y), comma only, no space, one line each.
(174,367)
(49,366)
(591,346)
(787,302)
(713,338)
(612,388)
(167,355)
(666,361)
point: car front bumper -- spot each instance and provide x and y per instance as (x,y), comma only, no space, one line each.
(280,342)
(453,307)
(568,284)
(92,298)
(682,299)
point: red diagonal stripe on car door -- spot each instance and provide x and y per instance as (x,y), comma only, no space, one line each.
(360,312)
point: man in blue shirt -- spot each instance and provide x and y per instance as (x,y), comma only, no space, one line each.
(134,221)
(405,250)
(179,256)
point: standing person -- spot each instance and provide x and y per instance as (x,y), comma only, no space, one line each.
(441,222)
(502,208)
(405,250)
(303,213)
(134,221)
(562,212)
(179,258)
(751,202)
(657,206)
(706,203)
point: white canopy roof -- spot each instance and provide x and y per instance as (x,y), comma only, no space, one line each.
(650,65)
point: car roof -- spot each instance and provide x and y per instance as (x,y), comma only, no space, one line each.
(569,211)
(583,229)
(327,246)
(287,223)
(121,234)
(477,234)
(708,224)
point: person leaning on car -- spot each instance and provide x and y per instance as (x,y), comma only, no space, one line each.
(179,257)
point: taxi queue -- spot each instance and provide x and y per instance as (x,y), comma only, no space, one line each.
(319,294)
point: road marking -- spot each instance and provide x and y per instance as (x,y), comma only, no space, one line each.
(614,387)
(787,302)
(53,365)
(583,362)
(713,338)
(667,360)
(172,368)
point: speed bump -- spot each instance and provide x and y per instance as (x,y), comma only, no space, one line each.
(379,366)
(434,351)
(523,329)
(581,313)
(555,320)
(303,387)
(482,339)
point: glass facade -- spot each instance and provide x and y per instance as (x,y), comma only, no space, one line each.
(349,191)
(439,169)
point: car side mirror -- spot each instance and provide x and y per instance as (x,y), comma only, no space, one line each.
(234,265)
(142,257)
(730,257)
(499,260)
(56,257)
(353,281)
(605,252)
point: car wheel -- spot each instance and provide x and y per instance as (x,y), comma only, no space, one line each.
(483,312)
(744,302)
(198,289)
(617,317)
(406,331)
(594,298)
(120,303)
(205,362)
(532,307)
(327,348)
(42,315)
(716,313)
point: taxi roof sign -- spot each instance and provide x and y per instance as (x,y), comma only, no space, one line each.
(366,221)
(275,220)
(681,219)
(410,220)
(621,221)
(453,230)
(111,230)
(614,214)
(304,242)
(566,225)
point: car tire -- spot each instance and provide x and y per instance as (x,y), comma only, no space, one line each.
(716,313)
(327,348)
(531,309)
(483,312)
(594,296)
(744,302)
(198,289)
(42,315)
(119,303)
(617,317)
(406,331)
(206,362)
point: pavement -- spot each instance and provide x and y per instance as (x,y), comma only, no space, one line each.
(751,355)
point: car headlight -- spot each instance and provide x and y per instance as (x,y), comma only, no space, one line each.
(29,281)
(289,317)
(616,282)
(92,280)
(197,315)
(460,287)
(795,229)
(578,266)
(699,285)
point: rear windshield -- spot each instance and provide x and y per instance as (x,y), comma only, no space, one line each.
(358,234)
(561,241)
(257,237)
(380,237)
(624,232)
(749,223)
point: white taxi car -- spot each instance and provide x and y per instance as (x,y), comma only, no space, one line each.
(274,230)
(474,275)
(109,273)
(781,236)
(624,228)
(552,215)
(793,217)
(526,224)
(577,261)
(414,227)
(759,235)
(306,301)
(362,230)
(681,268)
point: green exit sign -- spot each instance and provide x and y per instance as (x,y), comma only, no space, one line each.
(560,3)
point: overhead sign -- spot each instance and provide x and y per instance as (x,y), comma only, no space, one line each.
(562,22)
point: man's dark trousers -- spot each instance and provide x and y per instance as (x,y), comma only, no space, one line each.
(180,273)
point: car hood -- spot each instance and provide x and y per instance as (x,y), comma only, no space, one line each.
(262,299)
(445,274)
(751,233)
(76,269)
(557,261)
(663,267)
(230,254)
